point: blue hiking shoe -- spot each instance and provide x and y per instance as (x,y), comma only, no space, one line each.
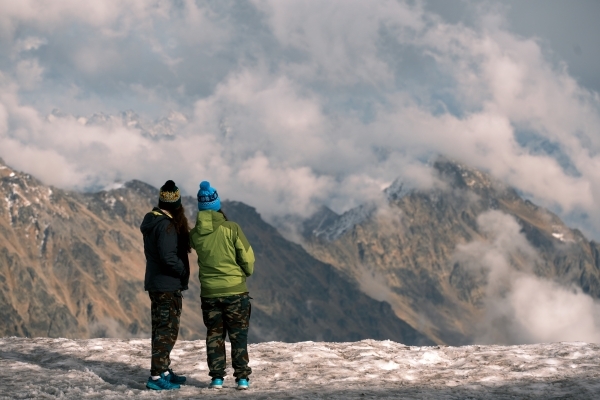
(243,384)
(161,383)
(174,378)
(216,383)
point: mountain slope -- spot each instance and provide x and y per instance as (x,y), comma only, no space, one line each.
(72,265)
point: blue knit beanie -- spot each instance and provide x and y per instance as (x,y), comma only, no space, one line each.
(208,198)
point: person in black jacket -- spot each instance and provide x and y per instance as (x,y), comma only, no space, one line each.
(166,246)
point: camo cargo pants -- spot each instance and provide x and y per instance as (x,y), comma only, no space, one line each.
(223,315)
(166,311)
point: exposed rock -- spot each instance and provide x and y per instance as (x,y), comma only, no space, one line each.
(412,249)
(72,265)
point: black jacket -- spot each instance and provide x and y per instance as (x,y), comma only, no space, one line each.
(167,263)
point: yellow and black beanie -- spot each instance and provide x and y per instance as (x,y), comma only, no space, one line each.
(169,197)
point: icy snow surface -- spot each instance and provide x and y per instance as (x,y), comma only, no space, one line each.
(114,368)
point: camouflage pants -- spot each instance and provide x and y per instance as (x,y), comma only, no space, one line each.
(166,311)
(223,315)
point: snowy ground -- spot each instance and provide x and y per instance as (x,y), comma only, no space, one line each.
(113,368)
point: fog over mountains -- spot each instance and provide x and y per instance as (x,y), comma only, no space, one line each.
(467,261)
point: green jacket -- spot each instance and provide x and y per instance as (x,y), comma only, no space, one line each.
(225,257)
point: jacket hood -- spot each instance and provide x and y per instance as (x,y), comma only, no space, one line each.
(152,219)
(207,221)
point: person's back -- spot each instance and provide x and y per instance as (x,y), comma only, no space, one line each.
(166,247)
(225,257)
(225,260)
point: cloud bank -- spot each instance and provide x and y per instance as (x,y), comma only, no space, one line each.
(520,307)
(289,105)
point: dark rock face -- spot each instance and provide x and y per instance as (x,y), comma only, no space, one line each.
(413,249)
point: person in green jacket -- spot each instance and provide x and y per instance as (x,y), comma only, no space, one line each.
(225,260)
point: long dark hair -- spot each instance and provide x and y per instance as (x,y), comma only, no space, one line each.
(181,225)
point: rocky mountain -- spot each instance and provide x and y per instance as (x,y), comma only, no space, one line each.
(72,265)
(440,256)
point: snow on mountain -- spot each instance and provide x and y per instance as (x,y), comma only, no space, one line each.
(346,221)
(397,190)
(113,369)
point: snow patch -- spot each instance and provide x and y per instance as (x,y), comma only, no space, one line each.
(397,190)
(562,234)
(114,186)
(559,236)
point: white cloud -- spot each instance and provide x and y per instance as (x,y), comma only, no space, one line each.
(520,307)
(29,73)
(50,14)
(29,43)
(292,103)
(558,313)
(338,40)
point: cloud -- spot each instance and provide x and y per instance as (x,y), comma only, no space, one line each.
(375,286)
(520,307)
(294,104)
(29,73)
(28,43)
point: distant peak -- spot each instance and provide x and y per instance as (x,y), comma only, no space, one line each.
(397,190)
(328,225)
(463,176)
(142,187)
(323,217)
(323,210)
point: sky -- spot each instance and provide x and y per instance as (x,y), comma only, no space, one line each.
(287,106)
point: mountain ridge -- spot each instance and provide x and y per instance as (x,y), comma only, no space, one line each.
(416,251)
(72,265)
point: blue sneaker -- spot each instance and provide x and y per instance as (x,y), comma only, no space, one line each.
(243,384)
(216,383)
(174,378)
(161,383)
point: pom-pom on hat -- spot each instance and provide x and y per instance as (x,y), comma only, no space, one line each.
(208,198)
(169,197)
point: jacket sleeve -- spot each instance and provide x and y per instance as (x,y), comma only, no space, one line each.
(244,255)
(167,250)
